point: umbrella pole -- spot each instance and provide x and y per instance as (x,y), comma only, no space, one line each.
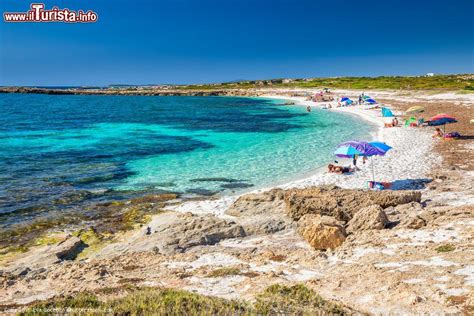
(373,174)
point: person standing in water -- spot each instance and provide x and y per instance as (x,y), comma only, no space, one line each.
(308,108)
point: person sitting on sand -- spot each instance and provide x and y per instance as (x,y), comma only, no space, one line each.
(339,169)
(438,133)
(395,122)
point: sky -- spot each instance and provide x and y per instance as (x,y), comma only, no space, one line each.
(203,41)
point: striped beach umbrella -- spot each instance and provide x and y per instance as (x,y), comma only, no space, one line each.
(415,109)
(441,119)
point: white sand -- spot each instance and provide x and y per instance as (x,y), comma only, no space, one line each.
(406,165)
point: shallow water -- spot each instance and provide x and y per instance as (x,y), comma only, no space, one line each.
(58,152)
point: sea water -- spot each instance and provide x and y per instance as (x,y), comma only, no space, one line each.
(59,151)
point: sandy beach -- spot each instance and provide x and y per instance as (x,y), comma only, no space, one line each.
(415,257)
(406,165)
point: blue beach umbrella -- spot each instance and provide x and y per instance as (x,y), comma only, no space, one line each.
(344,99)
(354,147)
(441,119)
(346,152)
(371,101)
(387,112)
(381,146)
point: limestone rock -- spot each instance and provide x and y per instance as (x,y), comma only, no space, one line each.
(265,224)
(408,215)
(68,248)
(341,203)
(321,232)
(195,230)
(258,203)
(370,217)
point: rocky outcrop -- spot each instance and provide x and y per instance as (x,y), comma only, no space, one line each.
(194,230)
(408,215)
(69,248)
(261,213)
(258,203)
(321,232)
(341,203)
(370,217)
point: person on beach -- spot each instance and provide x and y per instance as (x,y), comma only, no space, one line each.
(339,169)
(438,133)
(395,122)
(354,162)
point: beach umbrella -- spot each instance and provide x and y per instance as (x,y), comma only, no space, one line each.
(382,146)
(370,101)
(354,147)
(415,109)
(344,99)
(442,116)
(346,152)
(441,119)
(387,112)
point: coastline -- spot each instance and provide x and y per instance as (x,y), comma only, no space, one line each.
(410,161)
(422,260)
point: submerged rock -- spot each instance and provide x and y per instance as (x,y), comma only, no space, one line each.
(154,198)
(216,179)
(236,185)
(370,217)
(321,232)
(341,203)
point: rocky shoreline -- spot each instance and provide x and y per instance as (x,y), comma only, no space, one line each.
(138,92)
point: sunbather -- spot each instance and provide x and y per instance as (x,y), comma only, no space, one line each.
(437,133)
(339,169)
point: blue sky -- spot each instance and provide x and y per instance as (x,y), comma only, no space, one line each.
(178,41)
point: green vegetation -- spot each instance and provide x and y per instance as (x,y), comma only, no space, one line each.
(295,300)
(445,248)
(441,82)
(222,272)
(277,299)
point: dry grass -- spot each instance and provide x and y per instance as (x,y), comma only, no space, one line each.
(277,299)
(445,248)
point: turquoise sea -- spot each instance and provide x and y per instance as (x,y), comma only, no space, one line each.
(58,152)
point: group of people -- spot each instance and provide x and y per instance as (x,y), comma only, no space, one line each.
(393,123)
